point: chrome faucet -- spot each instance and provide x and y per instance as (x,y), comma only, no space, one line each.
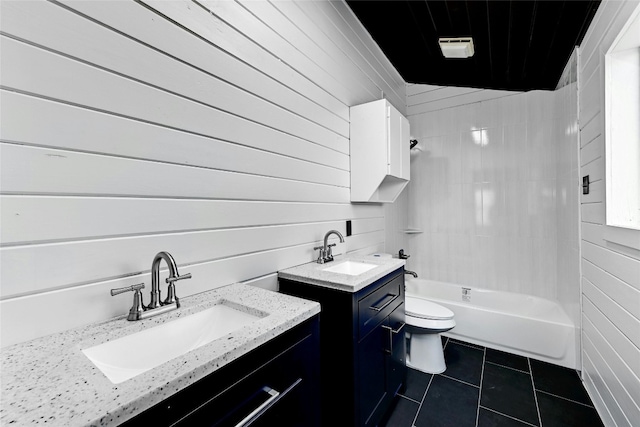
(173,277)
(156,306)
(413,273)
(325,254)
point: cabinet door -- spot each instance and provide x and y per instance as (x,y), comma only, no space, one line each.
(394,141)
(371,373)
(405,138)
(398,144)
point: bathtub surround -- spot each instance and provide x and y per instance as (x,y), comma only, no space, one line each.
(494,189)
(217,131)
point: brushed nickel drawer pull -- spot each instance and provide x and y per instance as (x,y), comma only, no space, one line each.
(394,331)
(391,332)
(267,404)
(377,307)
(262,408)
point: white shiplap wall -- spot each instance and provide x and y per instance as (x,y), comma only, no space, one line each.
(423,98)
(610,272)
(218,131)
(494,190)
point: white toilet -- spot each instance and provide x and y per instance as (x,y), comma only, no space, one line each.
(425,322)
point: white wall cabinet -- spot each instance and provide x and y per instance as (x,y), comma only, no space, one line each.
(379,152)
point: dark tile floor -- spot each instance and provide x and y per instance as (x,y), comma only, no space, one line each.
(483,387)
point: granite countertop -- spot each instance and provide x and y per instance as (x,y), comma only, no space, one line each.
(313,273)
(50,381)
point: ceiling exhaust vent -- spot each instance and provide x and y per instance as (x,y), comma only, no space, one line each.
(460,47)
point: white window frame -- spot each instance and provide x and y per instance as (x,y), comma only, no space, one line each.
(626,39)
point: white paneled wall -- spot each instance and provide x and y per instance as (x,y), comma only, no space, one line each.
(483,187)
(217,131)
(427,98)
(610,272)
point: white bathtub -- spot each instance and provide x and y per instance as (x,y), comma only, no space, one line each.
(516,323)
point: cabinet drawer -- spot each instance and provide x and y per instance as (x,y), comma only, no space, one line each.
(375,306)
(266,394)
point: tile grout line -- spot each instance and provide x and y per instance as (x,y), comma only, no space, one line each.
(508,416)
(564,398)
(408,398)
(424,396)
(535,396)
(509,367)
(484,358)
(460,381)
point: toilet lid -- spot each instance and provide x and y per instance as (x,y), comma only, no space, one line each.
(423,309)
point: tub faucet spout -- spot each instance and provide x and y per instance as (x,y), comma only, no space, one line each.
(413,273)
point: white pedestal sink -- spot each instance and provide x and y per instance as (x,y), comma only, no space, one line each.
(131,355)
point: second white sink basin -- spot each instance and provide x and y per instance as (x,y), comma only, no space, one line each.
(133,354)
(352,268)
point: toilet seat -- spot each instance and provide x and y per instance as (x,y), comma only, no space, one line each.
(424,309)
(426,316)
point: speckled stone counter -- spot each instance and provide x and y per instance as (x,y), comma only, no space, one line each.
(315,274)
(50,381)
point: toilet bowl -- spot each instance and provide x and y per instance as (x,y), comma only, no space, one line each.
(425,322)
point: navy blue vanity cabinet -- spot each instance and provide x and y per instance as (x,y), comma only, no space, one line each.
(278,382)
(362,348)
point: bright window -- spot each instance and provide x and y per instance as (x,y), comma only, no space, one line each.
(622,124)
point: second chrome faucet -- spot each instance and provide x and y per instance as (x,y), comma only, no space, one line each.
(156,306)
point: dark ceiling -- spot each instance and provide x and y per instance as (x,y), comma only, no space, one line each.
(519,45)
